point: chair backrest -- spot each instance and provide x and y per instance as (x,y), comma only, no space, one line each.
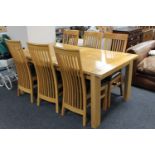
(23,70)
(118,41)
(71,37)
(74,89)
(92,39)
(46,76)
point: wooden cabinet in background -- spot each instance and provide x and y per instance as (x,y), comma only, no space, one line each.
(134,34)
(147,34)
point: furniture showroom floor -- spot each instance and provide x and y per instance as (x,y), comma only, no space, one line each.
(19,113)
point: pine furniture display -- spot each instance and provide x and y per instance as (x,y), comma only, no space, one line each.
(97,65)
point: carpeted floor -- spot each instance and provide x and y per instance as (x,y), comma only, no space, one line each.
(19,113)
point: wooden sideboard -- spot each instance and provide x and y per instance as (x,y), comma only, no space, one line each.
(134,34)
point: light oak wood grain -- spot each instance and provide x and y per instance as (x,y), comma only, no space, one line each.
(128,80)
(118,41)
(74,86)
(118,44)
(98,64)
(25,78)
(46,76)
(70,37)
(95,101)
(92,39)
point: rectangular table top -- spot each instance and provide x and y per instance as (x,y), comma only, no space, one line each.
(95,62)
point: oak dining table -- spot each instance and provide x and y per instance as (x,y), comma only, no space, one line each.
(98,64)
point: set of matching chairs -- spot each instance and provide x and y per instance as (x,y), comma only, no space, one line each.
(72,84)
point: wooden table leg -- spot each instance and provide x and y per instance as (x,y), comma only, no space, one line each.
(128,79)
(95,102)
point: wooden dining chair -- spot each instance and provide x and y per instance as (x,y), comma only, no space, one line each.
(92,39)
(118,41)
(71,37)
(118,44)
(46,76)
(74,86)
(25,77)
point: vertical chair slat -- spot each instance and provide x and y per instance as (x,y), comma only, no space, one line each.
(92,39)
(116,41)
(71,37)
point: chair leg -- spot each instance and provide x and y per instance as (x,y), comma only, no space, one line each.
(121,86)
(32,97)
(84,120)
(109,94)
(62,110)
(121,89)
(18,92)
(57,107)
(38,101)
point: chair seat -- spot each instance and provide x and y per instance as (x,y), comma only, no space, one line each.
(115,75)
(111,77)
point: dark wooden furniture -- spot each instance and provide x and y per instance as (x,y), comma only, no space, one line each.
(134,34)
(148,34)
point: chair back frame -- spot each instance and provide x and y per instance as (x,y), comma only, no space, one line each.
(92,39)
(46,75)
(71,37)
(118,41)
(74,87)
(25,82)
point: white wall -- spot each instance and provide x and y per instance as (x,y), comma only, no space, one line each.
(36,34)
(18,33)
(41,34)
